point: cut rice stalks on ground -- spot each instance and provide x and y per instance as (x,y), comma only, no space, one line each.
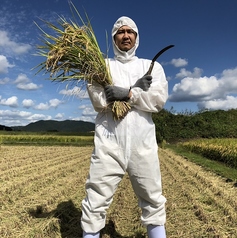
(72,55)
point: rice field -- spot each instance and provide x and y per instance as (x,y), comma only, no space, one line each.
(46,139)
(41,188)
(223,150)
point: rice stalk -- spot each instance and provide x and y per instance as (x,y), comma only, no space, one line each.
(73,54)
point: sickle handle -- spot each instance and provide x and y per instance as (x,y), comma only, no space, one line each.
(156,57)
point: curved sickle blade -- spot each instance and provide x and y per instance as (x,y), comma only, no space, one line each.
(156,57)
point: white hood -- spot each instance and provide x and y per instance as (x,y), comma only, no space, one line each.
(124,56)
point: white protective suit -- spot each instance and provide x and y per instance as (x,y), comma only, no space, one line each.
(128,145)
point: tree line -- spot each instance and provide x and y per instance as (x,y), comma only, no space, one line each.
(173,127)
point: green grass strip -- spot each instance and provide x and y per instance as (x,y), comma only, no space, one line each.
(217,167)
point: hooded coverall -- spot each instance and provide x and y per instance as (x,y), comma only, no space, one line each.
(127,145)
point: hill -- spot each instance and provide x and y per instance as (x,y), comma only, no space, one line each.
(68,126)
(170,126)
(5,128)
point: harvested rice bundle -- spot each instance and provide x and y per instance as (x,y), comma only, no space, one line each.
(74,55)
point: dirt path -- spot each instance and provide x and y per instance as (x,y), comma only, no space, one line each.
(200,204)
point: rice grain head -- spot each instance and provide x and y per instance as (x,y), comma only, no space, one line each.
(72,54)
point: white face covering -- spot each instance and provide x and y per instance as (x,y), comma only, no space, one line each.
(124,56)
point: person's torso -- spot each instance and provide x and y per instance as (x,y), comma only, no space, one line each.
(137,124)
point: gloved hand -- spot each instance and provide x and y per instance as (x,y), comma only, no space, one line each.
(143,83)
(115,93)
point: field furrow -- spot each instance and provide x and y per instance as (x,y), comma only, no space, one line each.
(41,189)
(214,214)
(21,159)
(38,194)
(50,171)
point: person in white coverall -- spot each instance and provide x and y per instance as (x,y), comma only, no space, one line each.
(127,145)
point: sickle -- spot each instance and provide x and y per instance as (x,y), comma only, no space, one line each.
(156,57)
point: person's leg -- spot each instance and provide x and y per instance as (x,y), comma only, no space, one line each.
(144,172)
(156,231)
(104,176)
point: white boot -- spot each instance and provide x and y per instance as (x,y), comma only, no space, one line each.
(91,235)
(156,231)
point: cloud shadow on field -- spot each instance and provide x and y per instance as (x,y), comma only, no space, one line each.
(69,221)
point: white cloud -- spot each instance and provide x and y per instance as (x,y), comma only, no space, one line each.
(195,89)
(21,79)
(89,111)
(5,114)
(42,106)
(168,78)
(23,82)
(228,80)
(28,86)
(208,92)
(4,64)
(11,102)
(27,103)
(37,117)
(82,106)
(20,118)
(8,45)
(75,91)
(53,103)
(84,118)
(4,81)
(227,103)
(197,72)
(14,118)
(59,116)
(179,62)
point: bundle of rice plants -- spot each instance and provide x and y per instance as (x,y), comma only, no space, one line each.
(72,54)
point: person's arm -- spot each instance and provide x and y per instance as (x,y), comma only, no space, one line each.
(147,94)
(97,97)
(116,93)
(155,98)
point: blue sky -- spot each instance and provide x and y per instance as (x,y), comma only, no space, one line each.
(201,69)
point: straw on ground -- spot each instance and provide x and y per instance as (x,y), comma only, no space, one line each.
(41,189)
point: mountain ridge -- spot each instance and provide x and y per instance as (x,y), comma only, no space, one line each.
(56,126)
